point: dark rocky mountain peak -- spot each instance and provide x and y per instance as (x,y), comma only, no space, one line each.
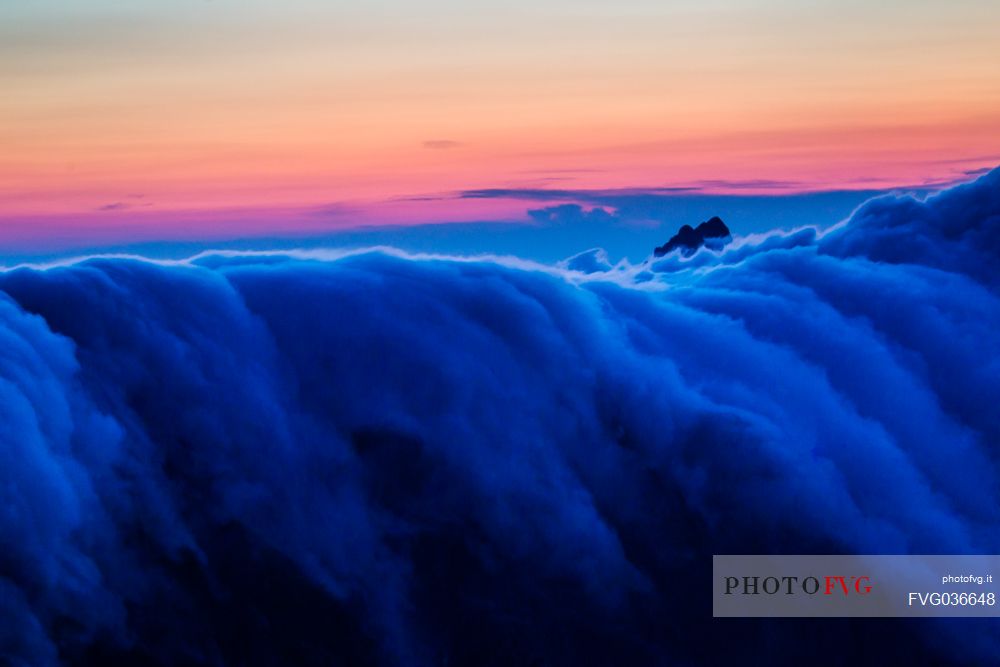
(712,233)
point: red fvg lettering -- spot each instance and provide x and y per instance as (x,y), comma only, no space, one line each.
(860,585)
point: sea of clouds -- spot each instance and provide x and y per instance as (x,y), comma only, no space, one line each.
(378,458)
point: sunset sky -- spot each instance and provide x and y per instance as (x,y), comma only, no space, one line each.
(137,120)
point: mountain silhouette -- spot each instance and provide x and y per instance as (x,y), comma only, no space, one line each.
(688,239)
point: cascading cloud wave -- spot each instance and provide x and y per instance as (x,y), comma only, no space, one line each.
(374,458)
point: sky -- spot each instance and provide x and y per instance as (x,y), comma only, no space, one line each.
(211,120)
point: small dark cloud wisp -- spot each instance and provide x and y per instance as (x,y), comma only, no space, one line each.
(114,206)
(441,144)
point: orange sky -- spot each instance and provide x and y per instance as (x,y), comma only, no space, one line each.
(119,111)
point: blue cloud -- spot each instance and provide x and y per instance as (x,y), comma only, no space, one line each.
(375,458)
(957,230)
(594,260)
